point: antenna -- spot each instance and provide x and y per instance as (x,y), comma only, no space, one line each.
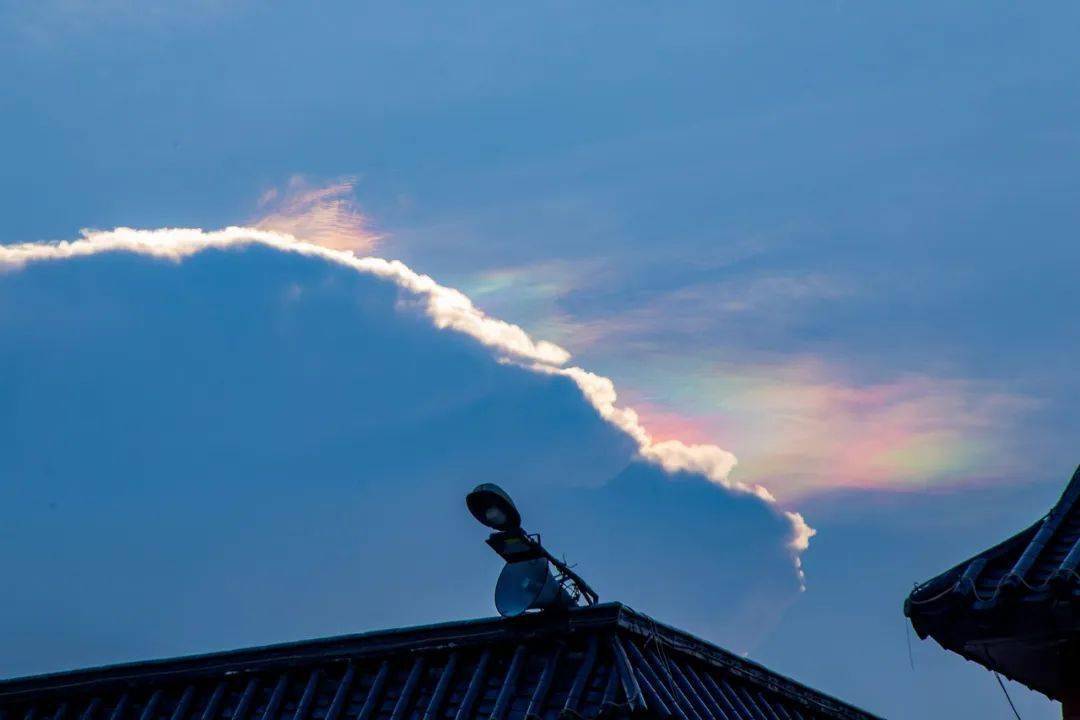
(527,582)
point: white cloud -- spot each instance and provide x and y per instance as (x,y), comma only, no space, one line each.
(448,309)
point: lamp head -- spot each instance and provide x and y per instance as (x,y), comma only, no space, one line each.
(490,504)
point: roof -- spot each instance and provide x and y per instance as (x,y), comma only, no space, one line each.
(604,661)
(1014,608)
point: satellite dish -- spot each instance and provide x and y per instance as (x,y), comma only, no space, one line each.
(526,585)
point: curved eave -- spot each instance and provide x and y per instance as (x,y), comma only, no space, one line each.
(955,588)
(1014,608)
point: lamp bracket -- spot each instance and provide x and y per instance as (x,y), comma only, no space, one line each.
(517,546)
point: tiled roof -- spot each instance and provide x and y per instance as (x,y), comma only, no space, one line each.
(601,662)
(1010,607)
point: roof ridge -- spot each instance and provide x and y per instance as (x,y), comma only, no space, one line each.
(1049,525)
(1038,533)
(1072,489)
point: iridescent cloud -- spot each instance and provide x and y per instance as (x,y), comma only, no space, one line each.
(325,215)
(802,425)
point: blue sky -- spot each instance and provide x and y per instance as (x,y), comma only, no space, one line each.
(833,241)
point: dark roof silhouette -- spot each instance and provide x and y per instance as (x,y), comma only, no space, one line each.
(600,662)
(1011,608)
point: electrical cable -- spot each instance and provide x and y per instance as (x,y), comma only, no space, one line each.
(1004,690)
(910,657)
(990,665)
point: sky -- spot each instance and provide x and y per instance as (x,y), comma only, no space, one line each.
(776,300)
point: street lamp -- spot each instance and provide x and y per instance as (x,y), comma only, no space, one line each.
(527,582)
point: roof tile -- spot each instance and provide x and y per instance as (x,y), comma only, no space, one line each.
(603,662)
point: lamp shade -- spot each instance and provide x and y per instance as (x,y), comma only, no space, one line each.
(490,504)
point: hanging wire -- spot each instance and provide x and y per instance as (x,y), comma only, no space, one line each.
(990,664)
(1004,690)
(910,657)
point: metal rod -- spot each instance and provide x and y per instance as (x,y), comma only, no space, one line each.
(91,708)
(465,709)
(1053,520)
(151,705)
(663,669)
(717,694)
(244,703)
(688,690)
(610,688)
(536,703)
(121,705)
(728,692)
(183,703)
(272,705)
(309,694)
(533,548)
(507,690)
(1066,571)
(591,598)
(630,684)
(751,702)
(654,679)
(342,693)
(654,696)
(407,689)
(967,583)
(714,705)
(210,711)
(758,703)
(581,679)
(439,693)
(778,708)
(375,692)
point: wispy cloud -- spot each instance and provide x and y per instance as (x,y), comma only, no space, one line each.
(699,311)
(533,294)
(325,215)
(801,422)
(588,305)
(803,425)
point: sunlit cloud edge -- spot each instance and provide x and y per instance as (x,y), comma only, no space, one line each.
(447,308)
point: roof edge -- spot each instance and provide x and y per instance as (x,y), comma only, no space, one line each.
(946,584)
(942,583)
(453,633)
(462,633)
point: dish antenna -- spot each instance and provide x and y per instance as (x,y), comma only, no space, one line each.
(533,578)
